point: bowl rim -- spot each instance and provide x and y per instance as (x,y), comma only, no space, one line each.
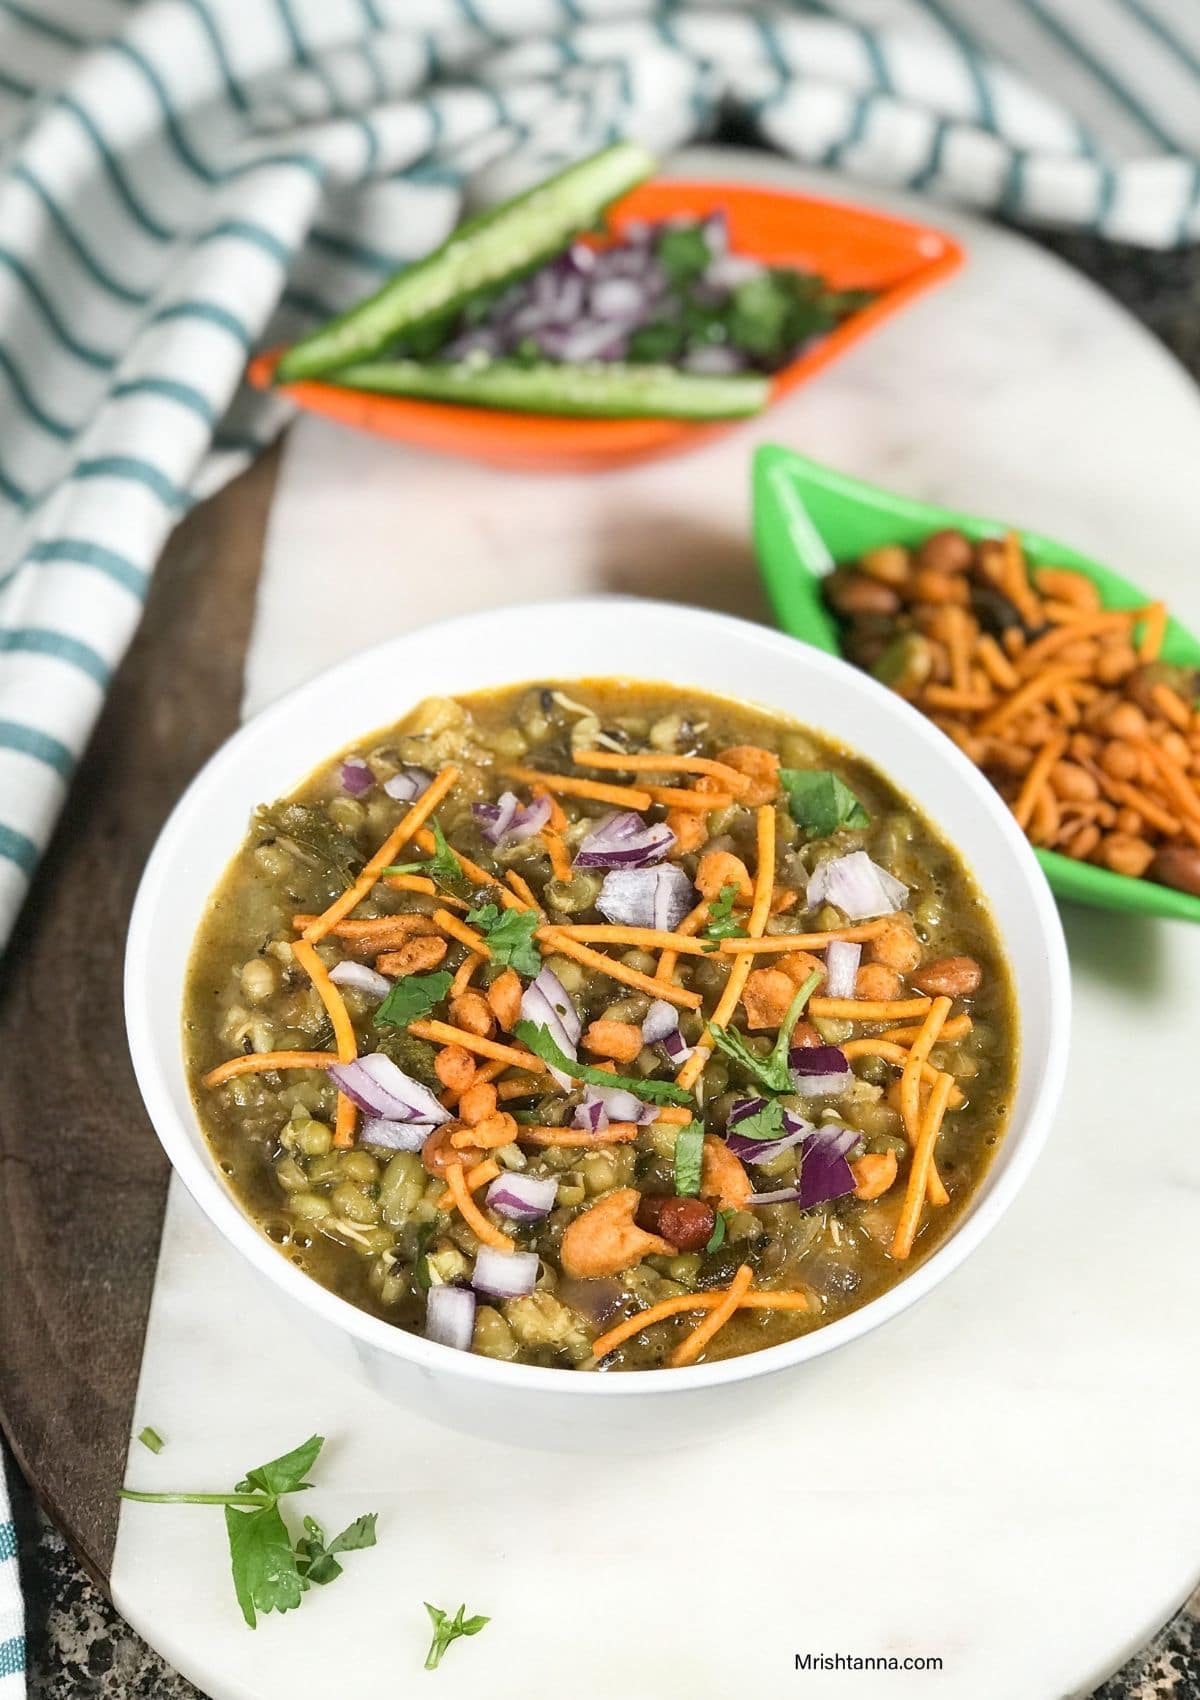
(199,1173)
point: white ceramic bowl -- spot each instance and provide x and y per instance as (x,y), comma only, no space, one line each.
(601,636)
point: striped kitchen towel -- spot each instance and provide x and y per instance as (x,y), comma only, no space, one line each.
(12,1613)
(182,180)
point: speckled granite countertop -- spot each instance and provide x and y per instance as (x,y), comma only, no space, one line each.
(79,1649)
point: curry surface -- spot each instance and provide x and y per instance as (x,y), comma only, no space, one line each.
(362,1221)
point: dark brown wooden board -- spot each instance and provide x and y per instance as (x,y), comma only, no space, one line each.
(82,1177)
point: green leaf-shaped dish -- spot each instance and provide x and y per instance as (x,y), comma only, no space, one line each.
(807,518)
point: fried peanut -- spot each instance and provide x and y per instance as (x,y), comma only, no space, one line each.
(1178,866)
(687,1222)
(949,977)
(946,552)
(1125,854)
(605,1238)
(890,564)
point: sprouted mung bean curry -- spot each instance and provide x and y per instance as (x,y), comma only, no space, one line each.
(600,1026)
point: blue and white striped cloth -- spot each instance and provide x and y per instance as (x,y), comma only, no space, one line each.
(12,1615)
(181,180)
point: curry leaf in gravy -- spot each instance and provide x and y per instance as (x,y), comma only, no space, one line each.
(820,802)
(412,997)
(509,934)
(314,836)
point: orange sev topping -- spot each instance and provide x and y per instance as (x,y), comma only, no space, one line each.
(413,820)
(343,1033)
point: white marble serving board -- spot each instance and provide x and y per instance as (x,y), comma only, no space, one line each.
(1006,1477)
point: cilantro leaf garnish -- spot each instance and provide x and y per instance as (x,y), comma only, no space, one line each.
(763,1123)
(509,934)
(689,1157)
(720,1228)
(721,924)
(412,997)
(683,253)
(447,1630)
(315,1557)
(285,1474)
(444,865)
(269,1573)
(539,1041)
(771,1071)
(820,802)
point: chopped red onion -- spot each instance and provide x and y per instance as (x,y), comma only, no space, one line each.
(646,897)
(662,1017)
(677,1048)
(841,968)
(614,1104)
(781,1195)
(450,1317)
(356,776)
(377,1086)
(504,1274)
(409,784)
(496,816)
(359,978)
(394,1136)
(763,1150)
(546,1003)
(819,1069)
(591,1114)
(523,1198)
(625,840)
(824,1171)
(507,822)
(857,886)
(617,298)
